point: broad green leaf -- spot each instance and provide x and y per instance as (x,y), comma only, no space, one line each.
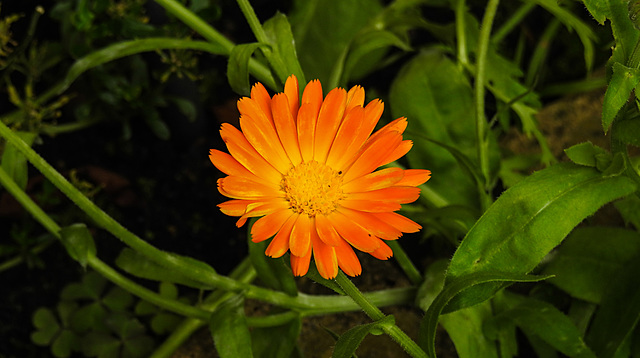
(584,153)
(229,329)
(547,322)
(139,265)
(436,96)
(238,67)
(324,28)
(627,131)
(452,289)
(14,163)
(623,80)
(283,58)
(629,208)
(79,243)
(278,341)
(432,284)
(619,311)
(529,220)
(350,340)
(127,48)
(599,9)
(464,327)
(590,258)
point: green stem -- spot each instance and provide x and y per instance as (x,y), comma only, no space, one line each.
(541,51)
(375,314)
(514,20)
(481,121)
(252,19)
(461,36)
(405,262)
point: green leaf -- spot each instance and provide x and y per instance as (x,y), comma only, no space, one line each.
(156,124)
(185,107)
(283,58)
(623,80)
(14,163)
(238,67)
(79,243)
(464,327)
(139,265)
(529,220)
(584,153)
(64,344)
(278,341)
(272,272)
(91,288)
(589,259)
(598,9)
(453,288)
(101,345)
(627,131)
(432,284)
(117,299)
(229,329)
(629,208)
(547,322)
(318,47)
(128,48)
(435,94)
(619,311)
(46,326)
(350,340)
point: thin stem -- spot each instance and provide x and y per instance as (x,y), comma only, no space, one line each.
(514,20)
(461,36)
(405,262)
(252,19)
(541,51)
(481,121)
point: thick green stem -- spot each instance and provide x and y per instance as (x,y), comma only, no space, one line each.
(461,36)
(252,19)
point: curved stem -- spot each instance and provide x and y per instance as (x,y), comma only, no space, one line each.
(252,19)
(514,20)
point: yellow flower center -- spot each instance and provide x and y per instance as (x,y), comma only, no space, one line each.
(312,188)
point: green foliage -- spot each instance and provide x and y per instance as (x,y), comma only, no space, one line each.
(229,329)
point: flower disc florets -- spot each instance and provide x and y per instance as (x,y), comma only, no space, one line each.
(312,188)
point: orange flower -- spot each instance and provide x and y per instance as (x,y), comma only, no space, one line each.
(307,169)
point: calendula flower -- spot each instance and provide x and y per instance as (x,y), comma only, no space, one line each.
(307,169)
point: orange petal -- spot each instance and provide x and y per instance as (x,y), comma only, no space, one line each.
(397,125)
(286,127)
(326,232)
(384,252)
(265,207)
(372,224)
(347,259)
(293,94)
(351,126)
(380,179)
(260,95)
(373,206)
(399,152)
(307,118)
(325,257)
(414,177)
(354,234)
(398,194)
(300,264)
(242,188)
(329,119)
(229,165)
(280,243)
(355,97)
(372,156)
(313,93)
(245,154)
(399,222)
(264,139)
(235,207)
(301,236)
(269,225)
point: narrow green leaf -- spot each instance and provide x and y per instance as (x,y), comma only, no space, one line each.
(139,265)
(619,311)
(528,221)
(284,58)
(238,67)
(79,243)
(453,288)
(156,124)
(584,153)
(350,340)
(589,259)
(623,80)
(229,329)
(464,327)
(14,163)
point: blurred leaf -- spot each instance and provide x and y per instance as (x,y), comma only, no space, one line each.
(598,9)
(584,153)
(79,243)
(464,327)
(165,323)
(156,124)
(629,208)
(627,131)
(623,81)
(90,317)
(453,288)
(139,265)
(529,220)
(319,48)
(117,299)
(14,163)
(619,311)
(435,94)
(101,345)
(185,107)
(229,329)
(589,259)
(238,67)
(432,284)
(283,58)
(277,341)
(350,340)
(91,288)
(46,326)
(547,322)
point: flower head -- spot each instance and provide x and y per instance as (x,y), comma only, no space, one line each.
(307,169)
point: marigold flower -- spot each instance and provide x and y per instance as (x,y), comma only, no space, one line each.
(307,169)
